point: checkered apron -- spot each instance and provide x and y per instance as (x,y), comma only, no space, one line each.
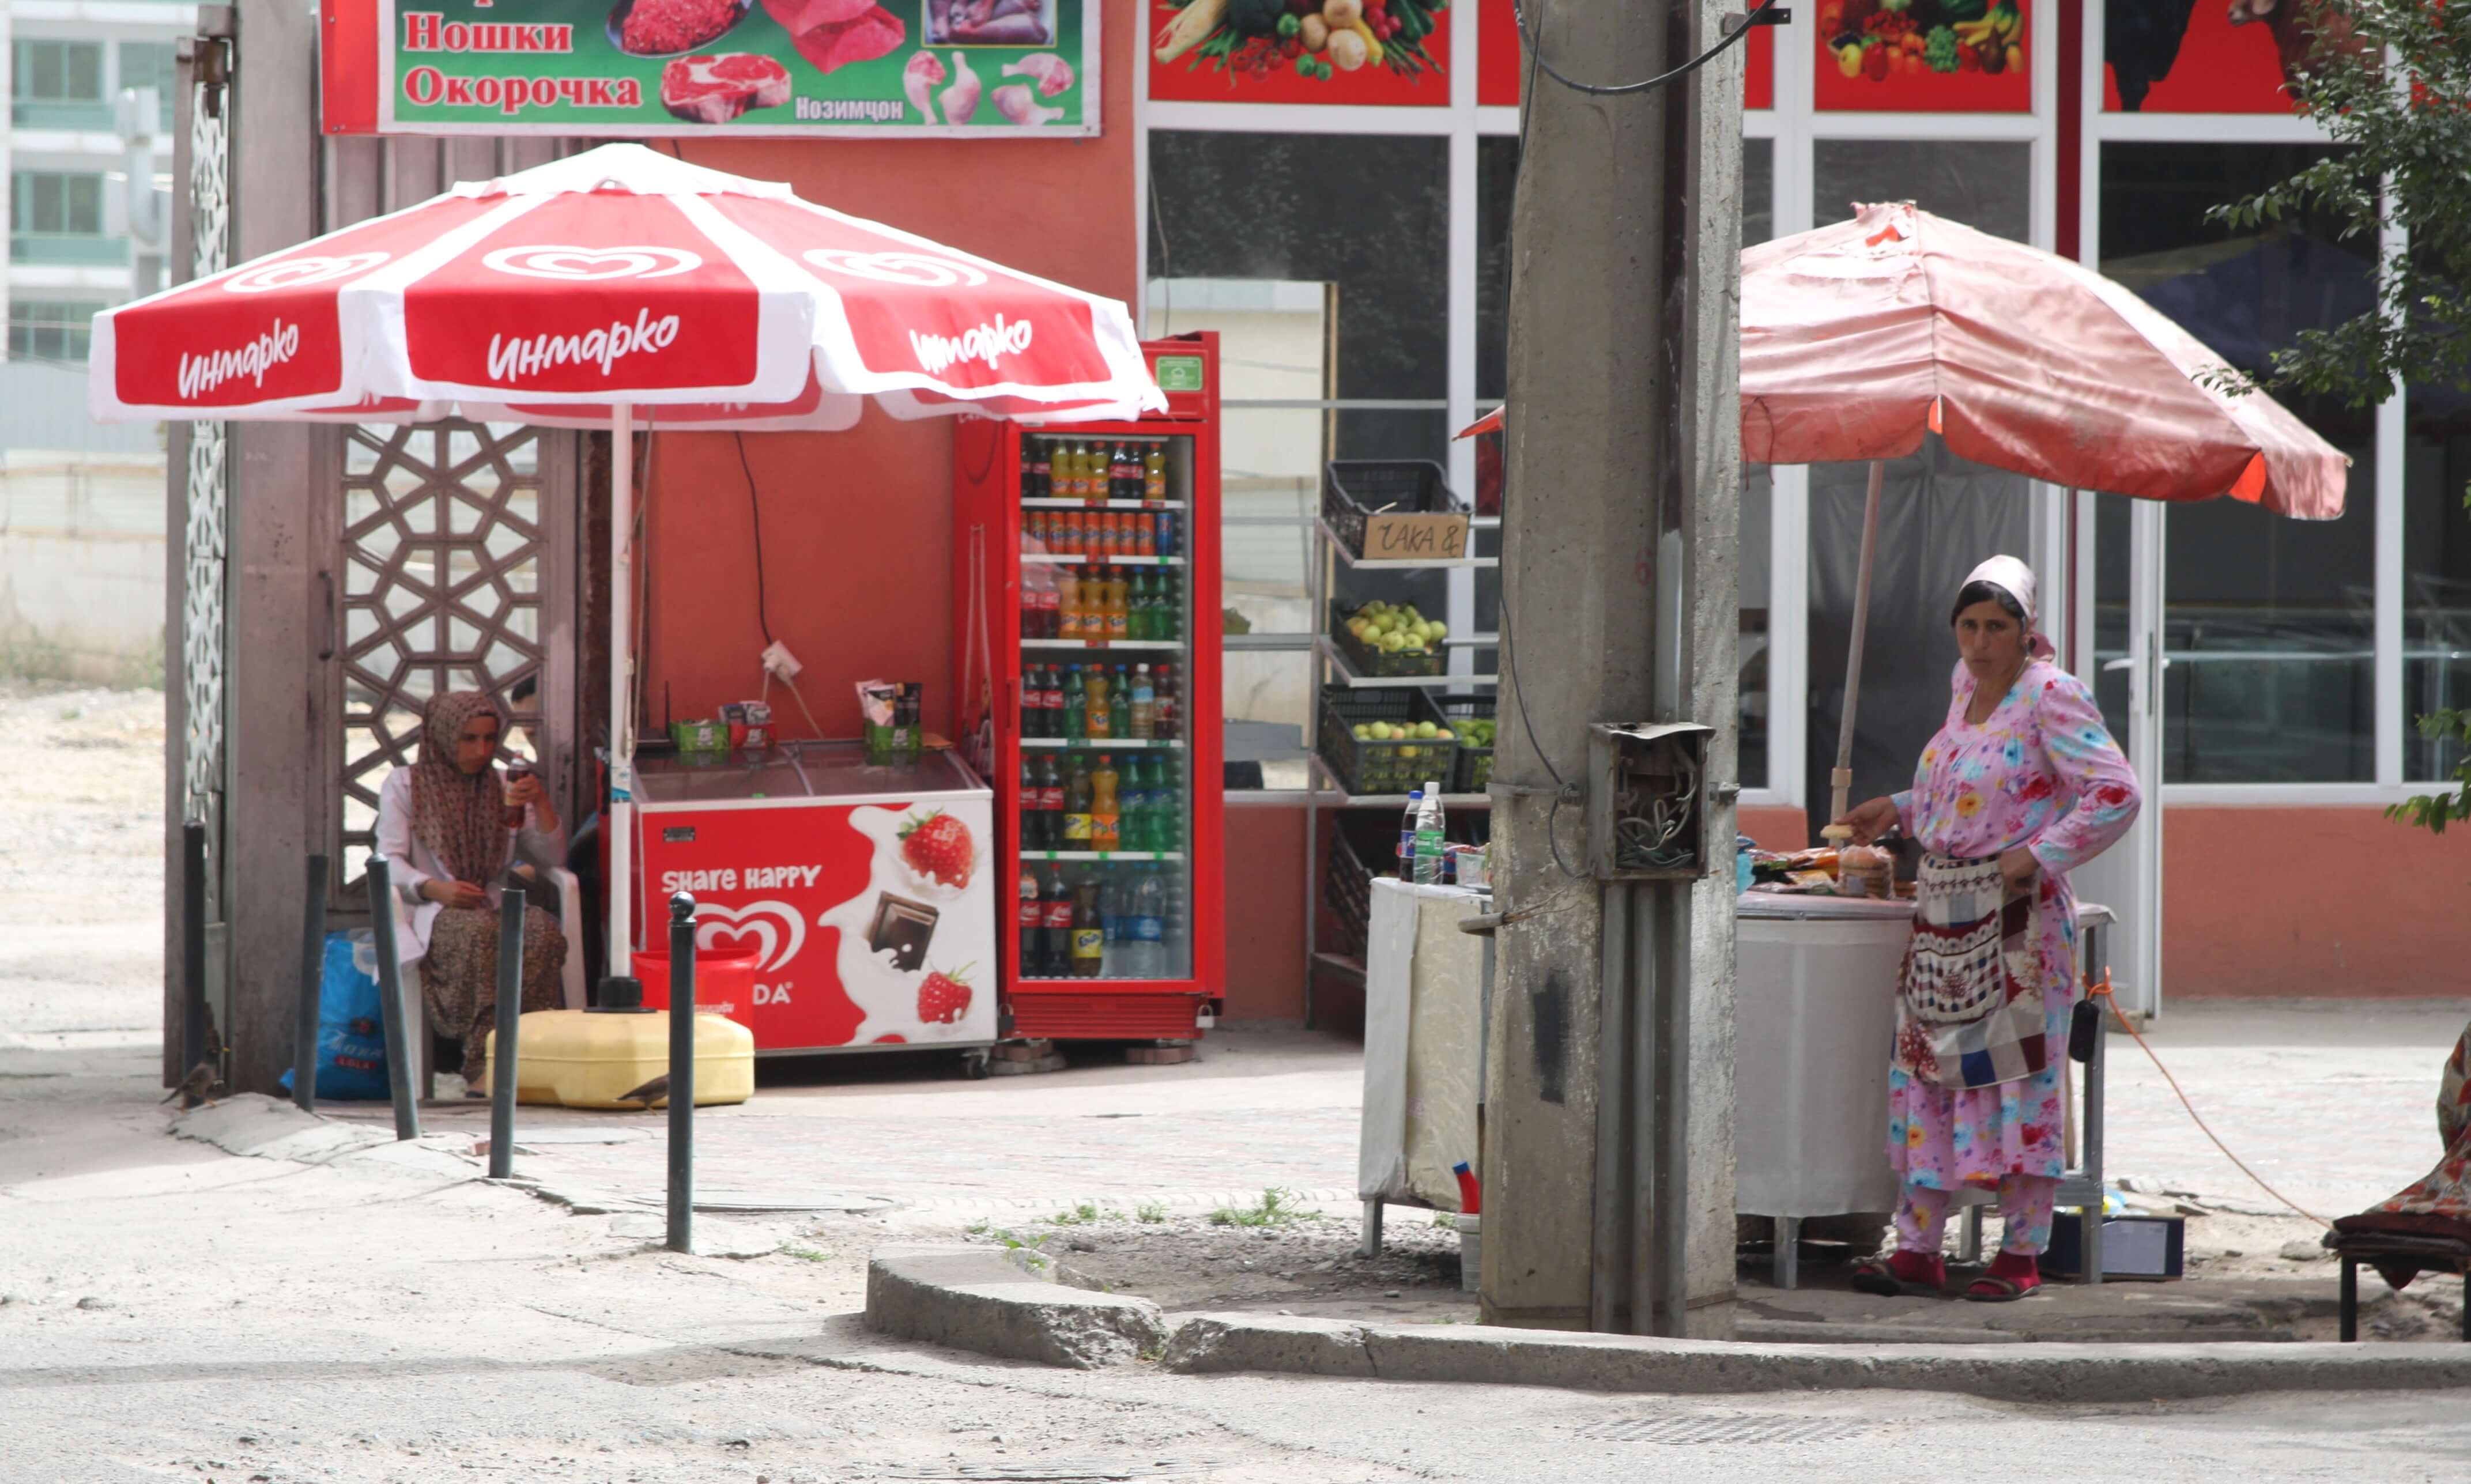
(1968,1012)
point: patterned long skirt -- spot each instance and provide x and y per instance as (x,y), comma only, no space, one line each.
(461,976)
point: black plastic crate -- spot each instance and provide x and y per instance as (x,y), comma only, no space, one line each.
(1367,660)
(1471,770)
(1348,890)
(1354,489)
(1368,767)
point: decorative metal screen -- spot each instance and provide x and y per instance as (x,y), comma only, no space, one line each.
(207,486)
(446,583)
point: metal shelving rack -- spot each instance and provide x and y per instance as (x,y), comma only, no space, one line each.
(1322,787)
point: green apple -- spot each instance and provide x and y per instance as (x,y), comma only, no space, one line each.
(1425,729)
(1363,733)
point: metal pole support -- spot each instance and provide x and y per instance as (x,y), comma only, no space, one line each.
(501,1051)
(682,1038)
(398,1036)
(313,972)
(192,950)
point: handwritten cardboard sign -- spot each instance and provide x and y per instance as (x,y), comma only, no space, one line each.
(1392,535)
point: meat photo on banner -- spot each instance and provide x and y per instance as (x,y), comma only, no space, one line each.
(1924,57)
(669,67)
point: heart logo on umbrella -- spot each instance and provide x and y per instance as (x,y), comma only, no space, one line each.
(777,929)
(922,269)
(591,265)
(293,273)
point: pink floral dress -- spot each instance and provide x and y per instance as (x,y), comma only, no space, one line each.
(2041,772)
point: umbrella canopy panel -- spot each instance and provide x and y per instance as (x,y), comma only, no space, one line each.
(618,275)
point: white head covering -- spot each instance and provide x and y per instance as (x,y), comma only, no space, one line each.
(2016,579)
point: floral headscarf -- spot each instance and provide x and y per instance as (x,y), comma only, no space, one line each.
(460,816)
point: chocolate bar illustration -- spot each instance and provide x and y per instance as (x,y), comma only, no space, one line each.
(904,928)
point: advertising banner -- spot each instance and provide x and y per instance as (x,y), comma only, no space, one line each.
(665,68)
(2201,56)
(1384,52)
(1501,60)
(1924,57)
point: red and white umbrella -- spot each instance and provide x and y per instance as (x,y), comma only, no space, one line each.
(619,277)
(616,284)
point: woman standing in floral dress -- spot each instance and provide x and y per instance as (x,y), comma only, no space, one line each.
(2021,785)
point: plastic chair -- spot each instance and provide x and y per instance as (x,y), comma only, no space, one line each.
(567,907)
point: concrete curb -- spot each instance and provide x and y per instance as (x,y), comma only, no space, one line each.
(979,1299)
(2045,1373)
(983,1300)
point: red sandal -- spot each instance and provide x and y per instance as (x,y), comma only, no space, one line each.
(1901,1274)
(2010,1276)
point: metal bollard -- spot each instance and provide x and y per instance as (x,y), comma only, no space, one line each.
(682,1038)
(398,1037)
(511,1014)
(313,974)
(193,949)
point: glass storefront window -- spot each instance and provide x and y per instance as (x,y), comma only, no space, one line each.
(2270,624)
(1496,179)
(2437,572)
(1938,515)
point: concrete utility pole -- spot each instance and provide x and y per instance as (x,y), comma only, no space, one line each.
(1608,1148)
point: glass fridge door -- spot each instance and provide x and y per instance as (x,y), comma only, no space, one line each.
(1106,623)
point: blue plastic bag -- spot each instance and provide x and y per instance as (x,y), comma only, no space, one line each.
(351,1022)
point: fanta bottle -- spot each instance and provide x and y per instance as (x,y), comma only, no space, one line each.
(1068,604)
(1106,817)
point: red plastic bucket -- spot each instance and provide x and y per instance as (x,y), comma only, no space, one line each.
(724,981)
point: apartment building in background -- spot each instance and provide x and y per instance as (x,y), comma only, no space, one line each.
(87,175)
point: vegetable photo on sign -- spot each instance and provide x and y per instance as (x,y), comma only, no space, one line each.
(1302,51)
(1924,55)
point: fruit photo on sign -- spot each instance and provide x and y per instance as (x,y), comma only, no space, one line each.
(1313,41)
(1940,55)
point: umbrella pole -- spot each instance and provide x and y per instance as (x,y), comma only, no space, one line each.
(1842,778)
(621,885)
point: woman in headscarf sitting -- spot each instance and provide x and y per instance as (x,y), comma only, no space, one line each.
(2022,784)
(446,826)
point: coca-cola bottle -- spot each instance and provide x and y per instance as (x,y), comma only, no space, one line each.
(1050,800)
(1031,919)
(1037,481)
(1032,819)
(1055,925)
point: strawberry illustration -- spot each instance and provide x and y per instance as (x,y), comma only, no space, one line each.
(938,847)
(943,998)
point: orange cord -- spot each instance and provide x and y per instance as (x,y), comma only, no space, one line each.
(2103,991)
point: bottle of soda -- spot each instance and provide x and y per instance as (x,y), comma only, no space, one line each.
(1147,959)
(1119,703)
(1088,932)
(1167,808)
(1405,854)
(1027,814)
(1076,703)
(1141,607)
(1170,620)
(1032,708)
(1167,545)
(1113,911)
(1145,534)
(1031,919)
(1098,722)
(1054,702)
(1040,462)
(1145,704)
(1076,808)
(1154,472)
(1051,799)
(1106,812)
(1119,613)
(1069,617)
(1431,831)
(1033,533)
(1128,474)
(1055,925)
(1162,709)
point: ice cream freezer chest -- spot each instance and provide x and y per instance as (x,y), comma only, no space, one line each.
(863,894)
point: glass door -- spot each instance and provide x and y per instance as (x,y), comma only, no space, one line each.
(1106,626)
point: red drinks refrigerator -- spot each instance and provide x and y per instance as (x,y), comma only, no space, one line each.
(1086,624)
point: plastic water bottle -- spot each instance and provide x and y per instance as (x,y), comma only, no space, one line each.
(1147,958)
(1431,850)
(1407,835)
